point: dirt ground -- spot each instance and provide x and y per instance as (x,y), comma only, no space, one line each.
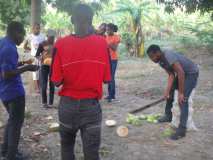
(138,82)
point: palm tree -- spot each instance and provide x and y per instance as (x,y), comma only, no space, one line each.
(136,10)
(35,11)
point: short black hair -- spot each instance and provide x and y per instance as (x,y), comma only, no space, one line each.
(36,24)
(83,12)
(103,24)
(113,27)
(153,49)
(15,27)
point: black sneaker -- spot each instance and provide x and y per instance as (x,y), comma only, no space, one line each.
(111,99)
(164,119)
(2,153)
(180,133)
(46,106)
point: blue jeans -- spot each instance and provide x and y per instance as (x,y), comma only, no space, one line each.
(189,84)
(86,116)
(16,110)
(111,85)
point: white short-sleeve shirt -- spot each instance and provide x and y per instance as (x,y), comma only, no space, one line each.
(34,41)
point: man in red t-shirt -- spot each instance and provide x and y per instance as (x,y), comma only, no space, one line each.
(80,66)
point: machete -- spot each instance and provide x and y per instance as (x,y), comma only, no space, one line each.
(147,106)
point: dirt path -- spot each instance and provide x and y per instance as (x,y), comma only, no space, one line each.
(138,82)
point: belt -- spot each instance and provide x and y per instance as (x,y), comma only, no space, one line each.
(83,100)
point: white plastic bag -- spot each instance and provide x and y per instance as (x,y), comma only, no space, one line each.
(176,112)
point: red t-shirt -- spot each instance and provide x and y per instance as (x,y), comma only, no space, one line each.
(82,65)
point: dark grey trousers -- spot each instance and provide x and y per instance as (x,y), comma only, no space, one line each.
(189,84)
(86,116)
(16,110)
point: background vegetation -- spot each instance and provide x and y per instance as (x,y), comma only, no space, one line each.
(174,23)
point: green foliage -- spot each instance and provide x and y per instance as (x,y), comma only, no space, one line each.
(63,5)
(134,120)
(157,25)
(67,5)
(195,31)
(134,12)
(14,10)
(138,120)
(189,6)
(128,38)
(204,32)
(28,115)
(167,132)
(1,31)
(59,21)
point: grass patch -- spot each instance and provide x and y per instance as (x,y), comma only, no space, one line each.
(134,76)
(104,152)
(167,132)
(28,115)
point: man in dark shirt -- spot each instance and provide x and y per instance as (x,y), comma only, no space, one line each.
(80,66)
(12,91)
(44,54)
(183,75)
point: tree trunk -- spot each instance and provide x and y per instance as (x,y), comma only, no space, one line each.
(35,12)
(139,41)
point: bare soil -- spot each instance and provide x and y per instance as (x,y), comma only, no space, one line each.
(138,82)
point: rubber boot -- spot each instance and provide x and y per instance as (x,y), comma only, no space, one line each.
(180,133)
(165,118)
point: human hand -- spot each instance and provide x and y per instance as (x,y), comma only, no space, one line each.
(166,95)
(181,98)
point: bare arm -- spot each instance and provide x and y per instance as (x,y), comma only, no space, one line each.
(20,70)
(181,78)
(56,71)
(170,82)
(26,47)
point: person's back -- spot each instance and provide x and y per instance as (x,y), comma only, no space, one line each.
(83,63)
(188,66)
(80,66)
